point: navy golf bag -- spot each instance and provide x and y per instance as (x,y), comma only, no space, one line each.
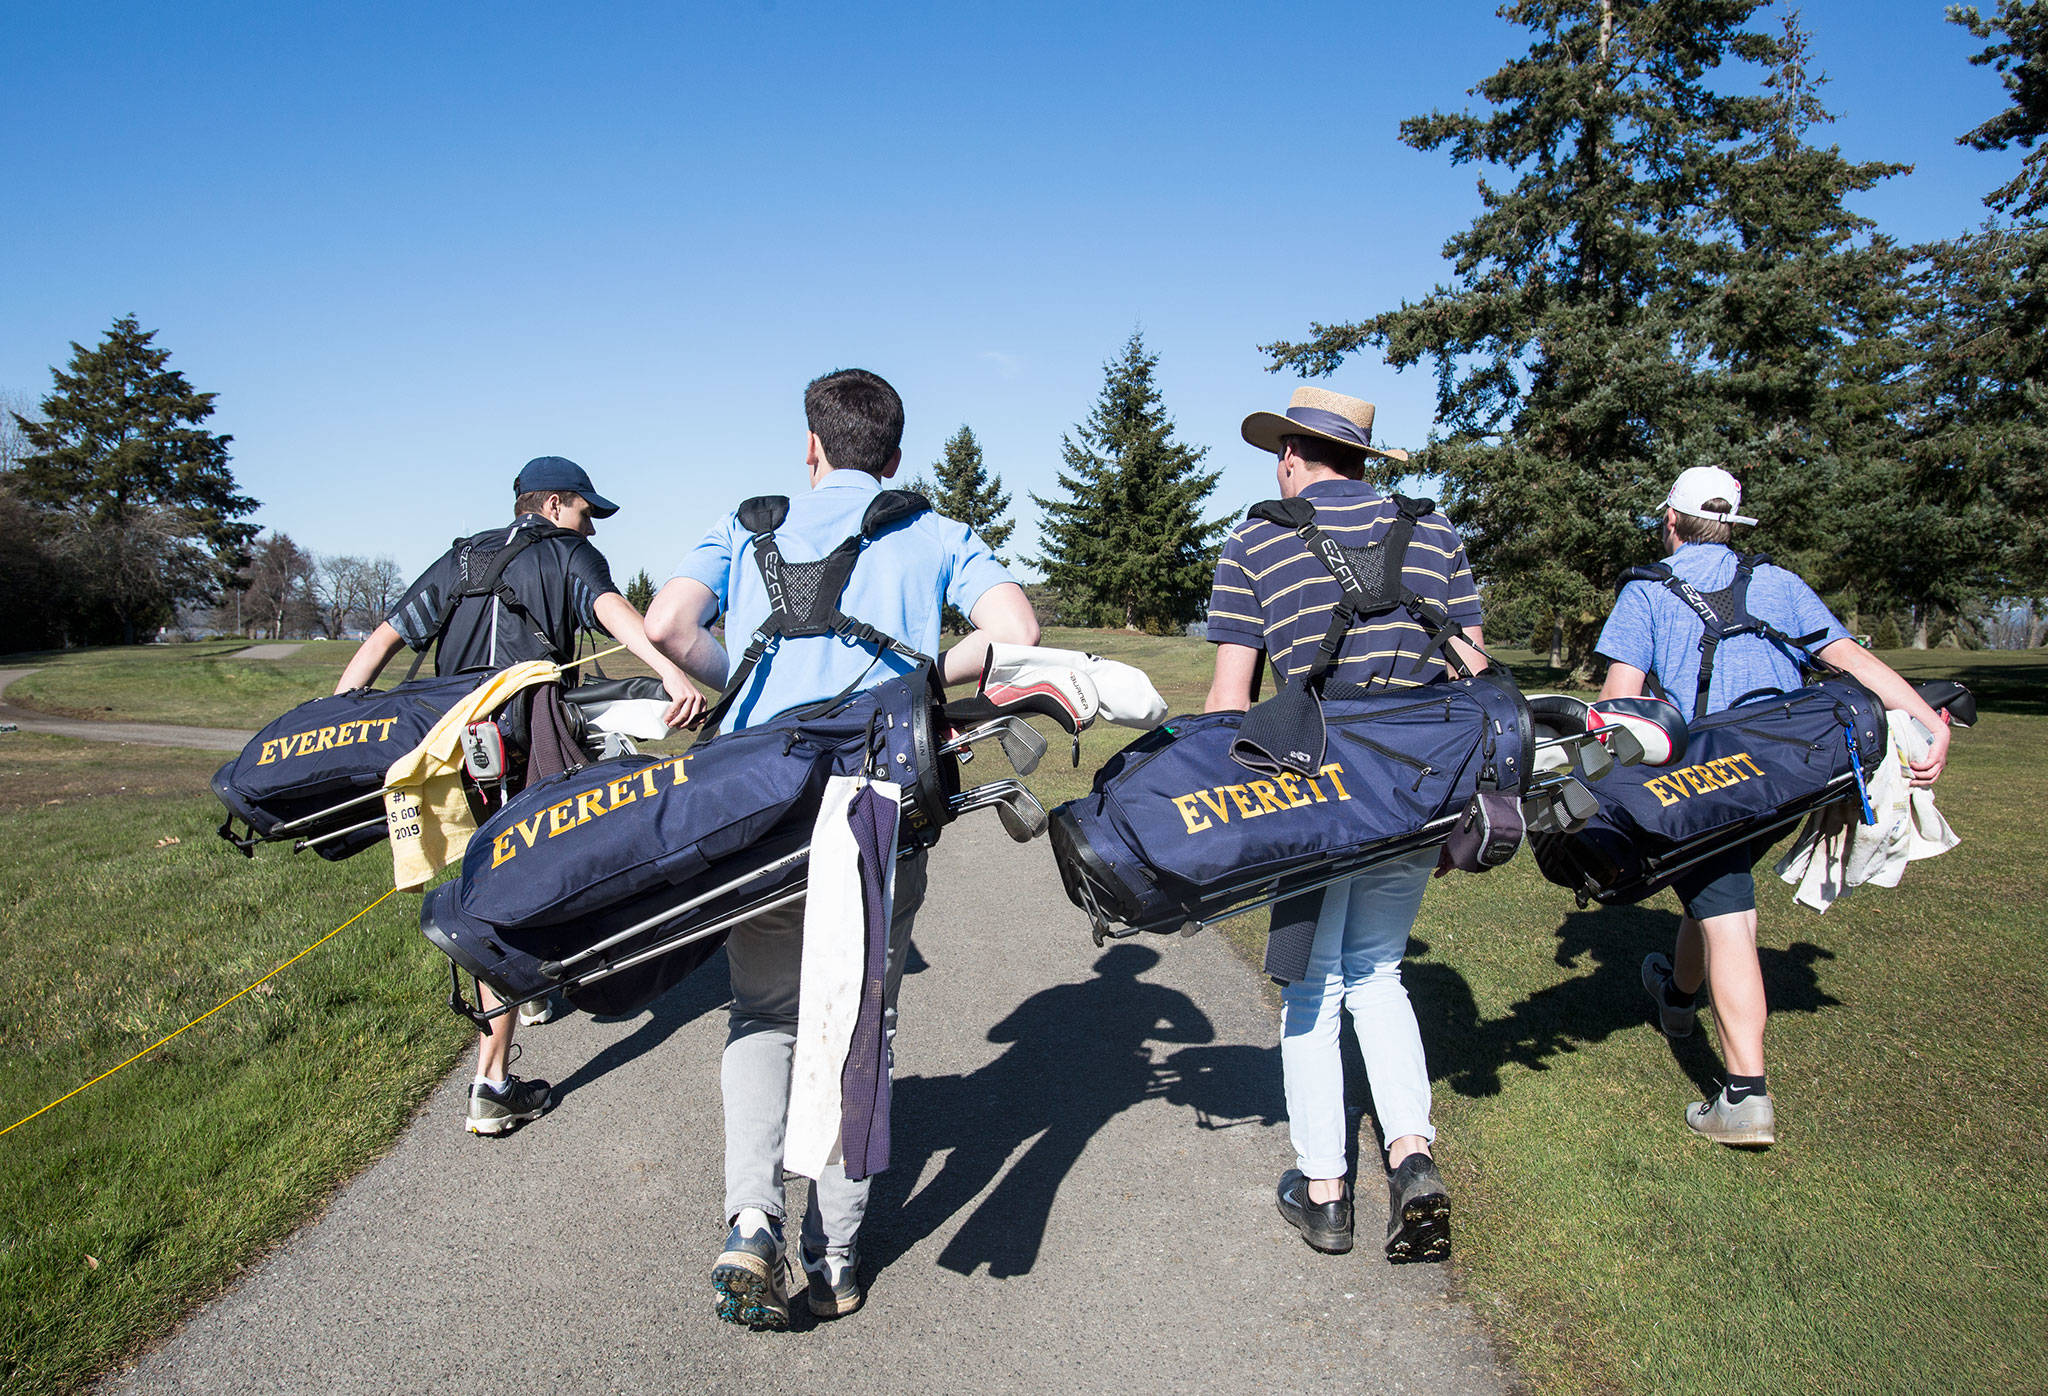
(316,773)
(614,881)
(1175,831)
(1748,775)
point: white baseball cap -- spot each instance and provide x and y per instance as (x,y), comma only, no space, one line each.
(1695,486)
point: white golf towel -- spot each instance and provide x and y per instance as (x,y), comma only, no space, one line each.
(1836,852)
(834,962)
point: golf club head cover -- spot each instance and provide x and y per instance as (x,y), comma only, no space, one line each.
(1557,715)
(1488,831)
(1124,695)
(1653,722)
(1284,733)
(1013,674)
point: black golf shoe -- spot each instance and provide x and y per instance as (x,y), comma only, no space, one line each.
(1324,1225)
(1418,1212)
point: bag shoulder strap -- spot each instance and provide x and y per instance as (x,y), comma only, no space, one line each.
(803,598)
(1361,598)
(489,582)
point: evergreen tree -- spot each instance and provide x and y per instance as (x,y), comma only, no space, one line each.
(1666,283)
(1128,545)
(1978,459)
(969,493)
(640,591)
(149,505)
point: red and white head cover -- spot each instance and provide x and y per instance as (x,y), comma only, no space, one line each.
(1655,723)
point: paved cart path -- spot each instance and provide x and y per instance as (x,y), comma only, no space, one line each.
(141,733)
(1085,1146)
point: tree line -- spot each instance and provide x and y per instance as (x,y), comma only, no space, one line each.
(1664,272)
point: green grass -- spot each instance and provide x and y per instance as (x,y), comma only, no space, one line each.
(1893,1241)
(142,1196)
(1897,1237)
(199,685)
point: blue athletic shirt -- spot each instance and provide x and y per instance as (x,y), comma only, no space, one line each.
(1656,632)
(900,585)
(1272,594)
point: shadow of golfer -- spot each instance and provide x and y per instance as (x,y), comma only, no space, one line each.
(1606,945)
(1078,1056)
(704,990)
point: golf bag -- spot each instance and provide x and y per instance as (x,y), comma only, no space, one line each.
(1749,774)
(316,774)
(1174,832)
(596,881)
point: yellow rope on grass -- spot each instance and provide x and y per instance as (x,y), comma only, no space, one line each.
(209,1012)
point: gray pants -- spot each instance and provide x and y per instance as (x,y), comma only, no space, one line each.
(766,957)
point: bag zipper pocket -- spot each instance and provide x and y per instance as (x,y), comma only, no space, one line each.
(1423,770)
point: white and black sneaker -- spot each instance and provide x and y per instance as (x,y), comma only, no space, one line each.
(496,1109)
(750,1279)
(833,1284)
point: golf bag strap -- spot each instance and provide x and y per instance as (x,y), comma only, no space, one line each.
(815,611)
(1734,600)
(491,582)
(1357,601)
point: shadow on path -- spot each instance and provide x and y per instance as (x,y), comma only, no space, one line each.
(1078,1056)
(706,989)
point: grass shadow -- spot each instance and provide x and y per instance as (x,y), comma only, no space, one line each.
(1078,1056)
(1467,1052)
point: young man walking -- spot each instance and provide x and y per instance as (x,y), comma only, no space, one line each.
(554,588)
(1652,631)
(900,585)
(1272,597)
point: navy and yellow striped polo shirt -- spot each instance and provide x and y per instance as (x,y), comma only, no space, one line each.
(1272,594)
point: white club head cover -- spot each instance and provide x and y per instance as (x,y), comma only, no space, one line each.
(1124,694)
(638,718)
(1022,678)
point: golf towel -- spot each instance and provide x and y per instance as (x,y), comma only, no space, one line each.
(424,805)
(838,913)
(1837,852)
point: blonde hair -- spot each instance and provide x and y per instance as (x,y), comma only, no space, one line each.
(1691,528)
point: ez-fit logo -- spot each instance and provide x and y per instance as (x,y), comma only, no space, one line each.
(1688,781)
(580,809)
(771,577)
(324,738)
(1257,797)
(1339,565)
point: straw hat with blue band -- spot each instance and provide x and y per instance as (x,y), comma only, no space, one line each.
(1320,413)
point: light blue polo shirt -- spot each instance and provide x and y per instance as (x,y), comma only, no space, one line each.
(1656,632)
(900,585)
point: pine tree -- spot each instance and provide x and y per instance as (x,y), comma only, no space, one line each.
(1128,545)
(640,591)
(1634,303)
(969,493)
(151,512)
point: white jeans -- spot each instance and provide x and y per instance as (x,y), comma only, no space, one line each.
(1355,963)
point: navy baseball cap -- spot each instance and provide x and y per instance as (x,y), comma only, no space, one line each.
(561,473)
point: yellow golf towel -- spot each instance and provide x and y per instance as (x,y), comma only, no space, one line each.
(424,805)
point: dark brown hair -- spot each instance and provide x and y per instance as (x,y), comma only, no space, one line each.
(858,419)
(1347,461)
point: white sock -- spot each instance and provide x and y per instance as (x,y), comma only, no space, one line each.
(497,1085)
(752,1219)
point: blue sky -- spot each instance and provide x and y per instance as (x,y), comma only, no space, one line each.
(412,245)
